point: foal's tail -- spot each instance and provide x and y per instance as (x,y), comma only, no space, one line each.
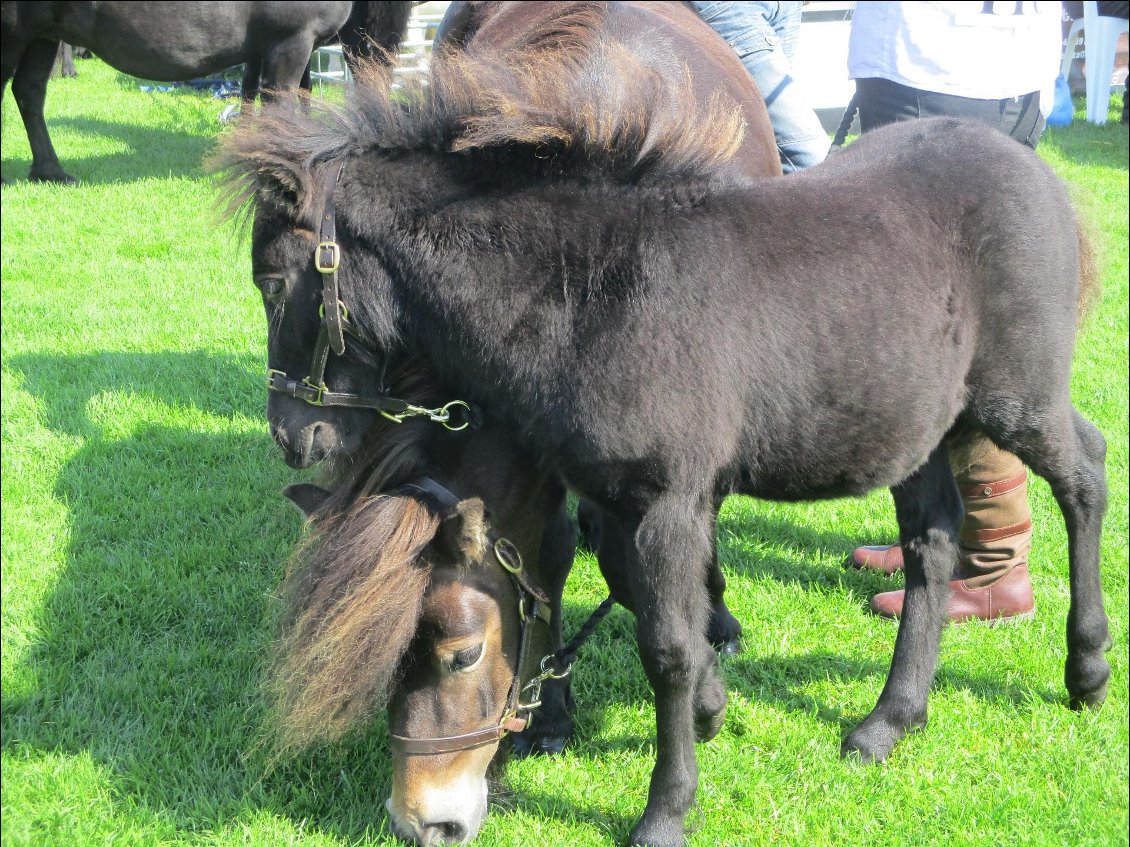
(1090,284)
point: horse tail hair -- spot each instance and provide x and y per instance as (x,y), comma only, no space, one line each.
(1090,281)
(352,599)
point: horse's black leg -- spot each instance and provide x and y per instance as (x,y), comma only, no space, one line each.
(724,631)
(283,67)
(249,87)
(671,554)
(29,87)
(1071,457)
(928,506)
(553,726)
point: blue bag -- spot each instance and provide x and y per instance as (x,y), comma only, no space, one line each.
(1063,110)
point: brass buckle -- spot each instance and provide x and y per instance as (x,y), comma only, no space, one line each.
(335,257)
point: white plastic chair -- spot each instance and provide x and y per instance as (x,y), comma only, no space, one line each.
(1101,33)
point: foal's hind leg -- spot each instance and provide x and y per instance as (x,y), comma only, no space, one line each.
(928,507)
(1072,460)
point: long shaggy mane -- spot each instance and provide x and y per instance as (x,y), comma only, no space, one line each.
(562,99)
(354,588)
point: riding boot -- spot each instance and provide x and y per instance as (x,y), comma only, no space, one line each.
(991,581)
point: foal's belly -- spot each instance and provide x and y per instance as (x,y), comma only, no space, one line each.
(847,450)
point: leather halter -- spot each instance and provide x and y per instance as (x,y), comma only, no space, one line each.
(533,604)
(335,326)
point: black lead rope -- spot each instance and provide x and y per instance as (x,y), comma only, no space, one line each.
(565,657)
(845,123)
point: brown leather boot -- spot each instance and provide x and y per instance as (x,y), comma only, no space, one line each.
(886,559)
(1010,597)
(992,580)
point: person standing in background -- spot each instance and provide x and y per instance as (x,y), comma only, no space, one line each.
(764,36)
(995,63)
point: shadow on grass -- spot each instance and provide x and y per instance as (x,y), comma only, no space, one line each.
(153,153)
(149,648)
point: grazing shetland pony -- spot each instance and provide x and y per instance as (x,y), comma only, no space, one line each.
(329,677)
(403,595)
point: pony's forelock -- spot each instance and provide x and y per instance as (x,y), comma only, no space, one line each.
(352,600)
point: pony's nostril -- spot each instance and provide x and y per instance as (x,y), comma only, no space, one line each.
(445,832)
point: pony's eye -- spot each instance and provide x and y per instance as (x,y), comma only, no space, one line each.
(463,659)
(272,287)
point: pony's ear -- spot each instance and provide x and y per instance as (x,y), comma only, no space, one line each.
(307,497)
(462,535)
(281,184)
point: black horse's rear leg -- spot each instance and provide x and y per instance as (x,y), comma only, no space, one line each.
(1073,463)
(29,87)
(553,726)
(928,507)
(723,631)
(671,553)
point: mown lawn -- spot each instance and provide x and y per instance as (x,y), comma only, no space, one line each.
(143,536)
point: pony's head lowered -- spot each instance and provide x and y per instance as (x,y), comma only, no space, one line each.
(392,603)
(484,122)
(398,598)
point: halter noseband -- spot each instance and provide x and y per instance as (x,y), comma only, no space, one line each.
(533,604)
(335,326)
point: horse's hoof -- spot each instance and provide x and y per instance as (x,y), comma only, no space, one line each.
(60,177)
(538,745)
(728,647)
(662,833)
(1089,700)
(873,740)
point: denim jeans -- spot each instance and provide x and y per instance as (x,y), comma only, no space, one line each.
(764,37)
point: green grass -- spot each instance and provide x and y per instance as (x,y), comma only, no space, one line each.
(143,536)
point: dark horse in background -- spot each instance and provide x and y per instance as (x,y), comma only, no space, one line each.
(181,40)
(659,338)
(448,608)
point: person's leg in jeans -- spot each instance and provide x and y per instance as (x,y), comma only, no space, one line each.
(764,37)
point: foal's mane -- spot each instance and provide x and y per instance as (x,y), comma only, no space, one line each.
(561,97)
(354,588)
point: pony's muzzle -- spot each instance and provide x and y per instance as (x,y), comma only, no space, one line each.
(442,818)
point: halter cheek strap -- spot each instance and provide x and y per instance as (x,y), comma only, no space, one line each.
(335,326)
(533,604)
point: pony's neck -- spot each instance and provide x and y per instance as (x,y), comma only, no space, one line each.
(488,285)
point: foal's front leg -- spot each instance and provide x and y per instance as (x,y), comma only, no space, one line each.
(672,552)
(928,507)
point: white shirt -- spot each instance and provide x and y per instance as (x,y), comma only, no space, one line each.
(955,48)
